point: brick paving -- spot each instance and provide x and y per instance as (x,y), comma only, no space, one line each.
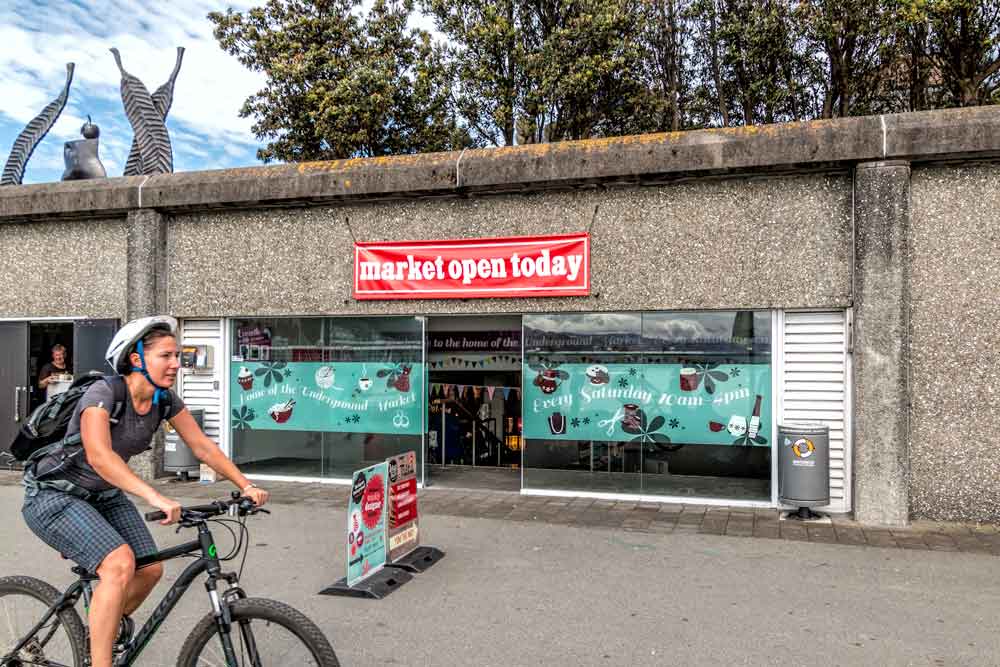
(630,516)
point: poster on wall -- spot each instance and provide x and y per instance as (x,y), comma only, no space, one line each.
(353,397)
(404,530)
(366,522)
(706,403)
(535,266)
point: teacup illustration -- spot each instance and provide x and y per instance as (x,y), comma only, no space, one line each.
(281,412)
(689,379)
(364,382)
(715,427)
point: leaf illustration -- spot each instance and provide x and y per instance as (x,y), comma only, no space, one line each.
(382,373)
(33,134)
(760,440)
(660,438)
(656,424)
(718,376)
(261,371)
(163,99)
(150,130)
(709,385)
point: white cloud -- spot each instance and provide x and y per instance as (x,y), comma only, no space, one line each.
(37,39)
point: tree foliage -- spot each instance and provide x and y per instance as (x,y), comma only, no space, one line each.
(346,82)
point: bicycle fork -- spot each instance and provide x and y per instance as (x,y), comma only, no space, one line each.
(221,608)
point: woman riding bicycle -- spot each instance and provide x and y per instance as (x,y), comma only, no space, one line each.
(80,510)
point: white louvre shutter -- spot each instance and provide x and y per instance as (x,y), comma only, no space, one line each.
(816,388)
(203,389)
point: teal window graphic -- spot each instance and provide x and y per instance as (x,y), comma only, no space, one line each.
(354,397)
(700,403)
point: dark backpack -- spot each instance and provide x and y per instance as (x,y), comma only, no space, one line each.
(48,423)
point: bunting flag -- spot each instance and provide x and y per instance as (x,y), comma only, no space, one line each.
(461,390)
(506,392)
(490,391)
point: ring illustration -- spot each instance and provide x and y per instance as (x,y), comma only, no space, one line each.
(803,444)
(400,420)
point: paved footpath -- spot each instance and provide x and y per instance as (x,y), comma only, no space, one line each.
(534,581)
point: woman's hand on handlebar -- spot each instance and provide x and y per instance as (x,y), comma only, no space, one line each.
(257,495)
(169,507)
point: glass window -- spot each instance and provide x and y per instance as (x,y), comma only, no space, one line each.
(668,403)
(323,397)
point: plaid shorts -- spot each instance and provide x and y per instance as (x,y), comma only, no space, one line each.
(86,532)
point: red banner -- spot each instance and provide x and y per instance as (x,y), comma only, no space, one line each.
(473,268)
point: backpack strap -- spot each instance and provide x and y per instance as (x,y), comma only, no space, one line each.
(120,390)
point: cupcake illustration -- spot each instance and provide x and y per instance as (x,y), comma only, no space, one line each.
(281,412)
(598,375)
(245,378)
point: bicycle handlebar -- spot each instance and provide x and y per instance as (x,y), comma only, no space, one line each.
(244,506)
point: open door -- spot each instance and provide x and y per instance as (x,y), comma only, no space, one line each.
(14,388)
(90,341)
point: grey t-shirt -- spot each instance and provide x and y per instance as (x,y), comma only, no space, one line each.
(130,436)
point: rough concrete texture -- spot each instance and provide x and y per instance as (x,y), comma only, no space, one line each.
(147,236)
(955,342)
(881,301)
(928,135)
(63,269)
(734,243)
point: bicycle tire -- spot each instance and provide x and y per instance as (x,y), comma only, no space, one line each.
(258,609)
(47,595)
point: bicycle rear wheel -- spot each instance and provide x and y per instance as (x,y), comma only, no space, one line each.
(279,634)
(61,641)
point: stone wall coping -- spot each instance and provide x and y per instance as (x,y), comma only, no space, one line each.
(926,136)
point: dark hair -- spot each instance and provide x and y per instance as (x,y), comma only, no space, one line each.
(151,337)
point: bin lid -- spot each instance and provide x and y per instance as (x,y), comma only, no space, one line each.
(804,427)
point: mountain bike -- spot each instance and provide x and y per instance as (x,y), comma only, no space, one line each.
(40,626)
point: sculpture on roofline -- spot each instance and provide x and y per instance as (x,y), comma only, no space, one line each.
(151,152)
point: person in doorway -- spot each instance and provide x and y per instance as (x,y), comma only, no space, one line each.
(74,499)
(56,371)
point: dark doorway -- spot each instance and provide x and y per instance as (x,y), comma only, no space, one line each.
(474,400)
(26,348)
(14,384)
(43,337)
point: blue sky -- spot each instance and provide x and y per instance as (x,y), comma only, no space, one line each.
(37,39)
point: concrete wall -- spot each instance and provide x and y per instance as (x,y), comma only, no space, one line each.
(891,215)
(954,373)
(63,268)
(778,242)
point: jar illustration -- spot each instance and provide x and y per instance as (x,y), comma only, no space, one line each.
(549,381)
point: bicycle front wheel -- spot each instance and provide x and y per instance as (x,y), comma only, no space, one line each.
(60,642)
(265,633)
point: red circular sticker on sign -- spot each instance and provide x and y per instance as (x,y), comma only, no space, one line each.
(373,502)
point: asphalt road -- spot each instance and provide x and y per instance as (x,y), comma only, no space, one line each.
(511,593)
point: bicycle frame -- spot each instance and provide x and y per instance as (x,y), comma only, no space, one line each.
(208,562)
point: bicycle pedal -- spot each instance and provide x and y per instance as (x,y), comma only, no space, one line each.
(125,629)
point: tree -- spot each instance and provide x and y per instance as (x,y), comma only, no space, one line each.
(339,85)
(957,42)
(544,70)
(850,39)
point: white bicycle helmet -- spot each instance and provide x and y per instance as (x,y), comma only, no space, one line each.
(129,335)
